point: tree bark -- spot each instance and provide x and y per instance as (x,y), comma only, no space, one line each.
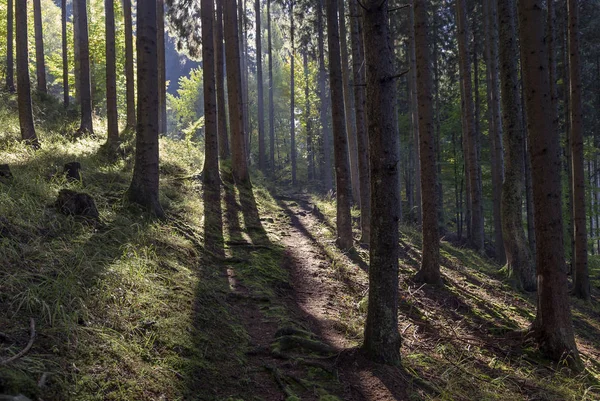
(162,73)
(23,85)
(260,91)
(76,51)
(519,264)
(234,91)
(111,74)
(309,132)
(552,327)
(292,97)
(325,133)
(430,264)
(85,88)
(129,72)
(271,104)
(65,58)
(211,142)
(382,340)
(220,79)
(39,47)
(10,80)
(414,112)
(581,280)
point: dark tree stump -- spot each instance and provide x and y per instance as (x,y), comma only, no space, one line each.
(5,173)
(76,204)
(73,171)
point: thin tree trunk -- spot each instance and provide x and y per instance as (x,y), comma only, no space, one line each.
(145,182)
(326,176)
(39,47)
(309,132)
(10,80)
(260,89)
(292,97)
(111,74)
(220,79)
(76,51)
(382,340)
(342,166)
(553,327)
(414,108)
(162,77)
(430,263)
(85,88)
(271,104)
(65,57)
(211,138)
(23,85)
(129,72)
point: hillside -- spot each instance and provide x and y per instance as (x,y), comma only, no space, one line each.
(236,296)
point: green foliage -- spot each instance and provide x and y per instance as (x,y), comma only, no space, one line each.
(186,109)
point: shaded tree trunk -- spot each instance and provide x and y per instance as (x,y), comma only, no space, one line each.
(325,133)
(292,97)
(76,51)
(28,134)
(10,80)
(414,112)
(65,57)
(39,47)
(382,340)
(220,79)
(211,142)
(309,132)
(85,88)
(271,104)
(552,327)
(260,90)
(162,76)
(111,74)
(145,182)
(129,72)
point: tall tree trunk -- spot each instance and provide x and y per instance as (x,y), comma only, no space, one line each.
(145,182)
(326,134)
(581,280)
(364,170)
(430,263)
(349,112)
(10,80)
(519,264)
(292,96)
(162,73)
(65,57)
(382,340)
(211,142)
(39,47)
(553,324)
(495,122)
(85,88)
(220,79)
(307,116)
(129,72)
(260,89)
(414,112)
(342,166)
(234,92)
(111,74)
(473,166)
(271,104)
(23,85)
(76,51)
(242,31)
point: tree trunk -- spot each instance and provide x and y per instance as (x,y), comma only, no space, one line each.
(361,124)
(85,88)
(10,80)
(271,104)
(260,90)
(162,73)
(292,97)
(326,135)
(430,264)
(39,47)
(309,132)
(65,58)
(382,340)
(473,166)
(220,86)
(342,167)
(414,112)
(23,85)
(519,264)
(234,92)
(581,280)
(144,184)
(211,139)
(129,77)
(76,51)
(111,74)
(242,32)
(553,324)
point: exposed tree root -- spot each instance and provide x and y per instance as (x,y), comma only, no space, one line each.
(27,347)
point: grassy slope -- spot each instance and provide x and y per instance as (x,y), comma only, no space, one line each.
(135,309)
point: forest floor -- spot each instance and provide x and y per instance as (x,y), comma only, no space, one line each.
(238,295)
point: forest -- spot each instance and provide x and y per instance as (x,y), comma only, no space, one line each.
(265,200)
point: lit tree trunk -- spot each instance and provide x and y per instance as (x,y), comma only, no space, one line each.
(271,104)
(382,340)
(342,167)
(430,264)
(552,327)
(129,73)
(76,51)
(234,91)
(292,97)
(309,134)
(581,280)
(260,88)
(361,123)
(145,181)
(111,74)
(327,178)
(473,166)
(85,88)
(162,77)
(220,78)
(414,111)
(23,86)
(39,47)
(495,122)
(10,80)
(241,4)
(65,59)
(519,264)
(211,142)
(350,122)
